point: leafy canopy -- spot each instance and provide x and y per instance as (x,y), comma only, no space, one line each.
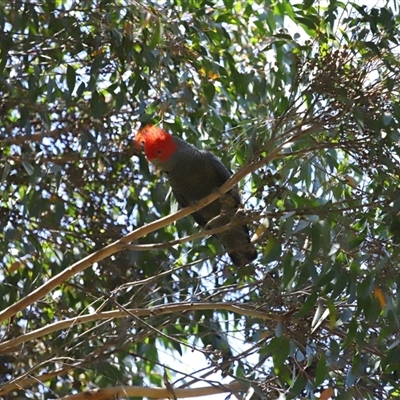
(301,99)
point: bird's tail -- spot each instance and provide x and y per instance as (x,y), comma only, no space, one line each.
(237,244)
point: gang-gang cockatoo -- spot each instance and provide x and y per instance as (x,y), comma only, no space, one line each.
(193,174)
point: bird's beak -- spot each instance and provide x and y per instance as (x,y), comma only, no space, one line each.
(138,141)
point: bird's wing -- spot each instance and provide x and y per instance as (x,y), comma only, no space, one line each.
(184,203)
(223,173)
(217,165)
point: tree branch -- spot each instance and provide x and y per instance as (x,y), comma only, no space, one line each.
(188,238)
(143,312)
(23,381)
(155,393)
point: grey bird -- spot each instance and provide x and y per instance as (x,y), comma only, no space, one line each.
(193,174)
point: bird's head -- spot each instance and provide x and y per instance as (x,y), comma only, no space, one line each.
(158,145)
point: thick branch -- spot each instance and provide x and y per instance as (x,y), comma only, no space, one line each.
(140,312)
(154,393)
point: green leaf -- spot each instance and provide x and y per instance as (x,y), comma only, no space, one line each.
(297,386)
(279,356)
(71,78)
(332,313)
(6,171)
(209,91)
(340,283)
(157,34)
(310,302)
(28,167)
(97,105)
(321,372)
(80,90)
(316,240)
(272,250)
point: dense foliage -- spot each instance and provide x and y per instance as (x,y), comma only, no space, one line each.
(302,100)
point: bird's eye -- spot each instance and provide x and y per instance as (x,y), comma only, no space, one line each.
(159,151)
(142,143)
